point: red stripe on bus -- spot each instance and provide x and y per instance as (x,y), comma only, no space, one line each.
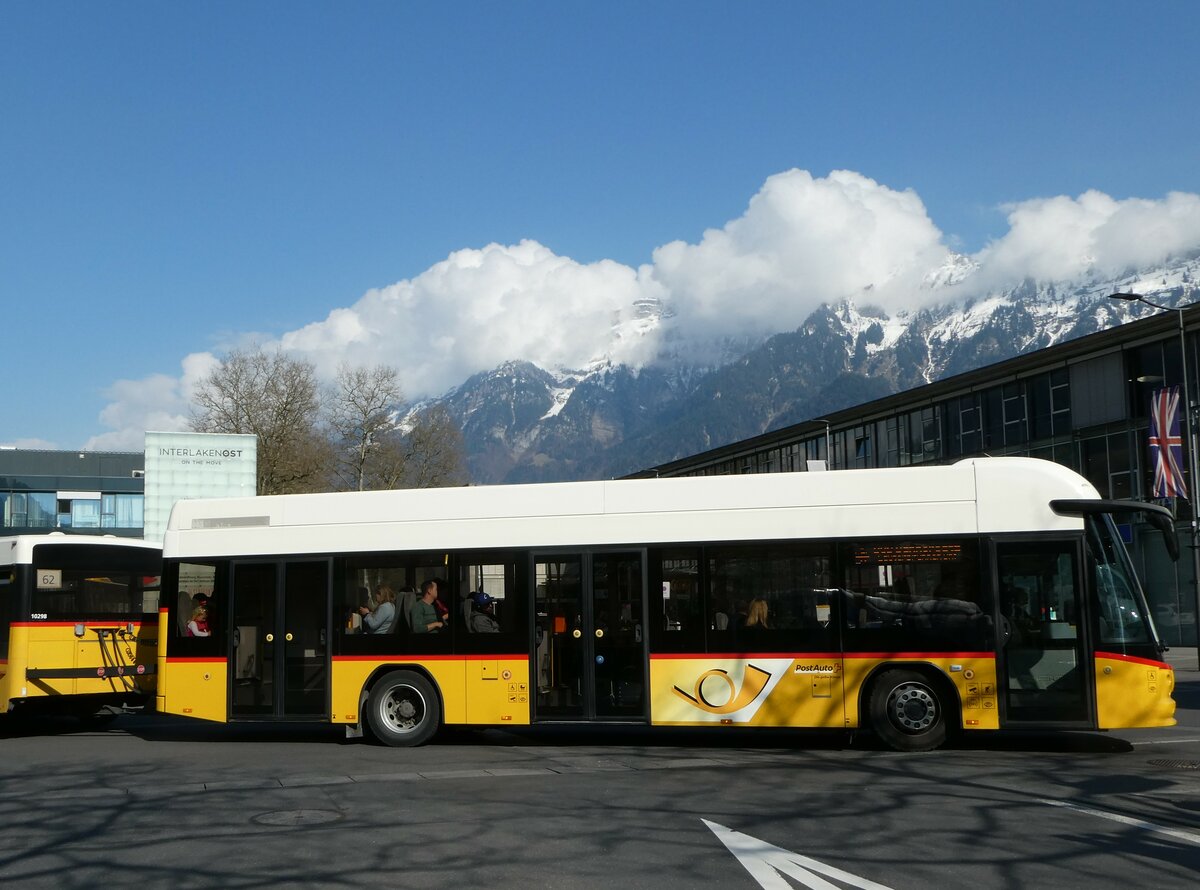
(414,656)
(180,659)
(1150,662)
(668,656)
(871,655)
(927,655)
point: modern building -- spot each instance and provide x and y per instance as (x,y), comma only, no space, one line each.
(1084,403)
(85,492)
(123,493)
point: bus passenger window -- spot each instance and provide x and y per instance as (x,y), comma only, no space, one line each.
(373,599)
(676,610)
(195,590)
(484,593)
(770,596)
(907,590)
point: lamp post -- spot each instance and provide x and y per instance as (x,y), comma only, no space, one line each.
(828,453)
(1189,432)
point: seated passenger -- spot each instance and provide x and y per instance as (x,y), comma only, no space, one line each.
(423,618)
(756,614)
(483,617)
(198,626)
(380,619)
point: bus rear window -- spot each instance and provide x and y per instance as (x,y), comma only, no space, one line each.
(78,593)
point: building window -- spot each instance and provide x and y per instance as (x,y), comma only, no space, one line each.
(1060,401)
(85,513)
(1041,425)
(1049,404)
(1147,372)
(1015,428)
(812,449)
(31,509)
(892,442)
(1121,466)
(862,447)
(968,437)
(838,458)
(122,511)
(924,437)
(992,409)
(1108,463)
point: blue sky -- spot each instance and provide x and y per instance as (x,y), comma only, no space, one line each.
(180,177)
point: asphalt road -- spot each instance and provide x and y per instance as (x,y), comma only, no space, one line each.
(160,802)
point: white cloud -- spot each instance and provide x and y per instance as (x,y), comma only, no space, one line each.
(158,402)
(476,309)
(802,241)
(1060,238)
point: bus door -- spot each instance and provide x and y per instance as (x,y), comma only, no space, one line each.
(280,640)
(1043,671)
(590,639)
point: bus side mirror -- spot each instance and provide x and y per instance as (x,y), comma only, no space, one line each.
(1158,516)
(1163,523)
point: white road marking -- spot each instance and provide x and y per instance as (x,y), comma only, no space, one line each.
(768,864)
(1185,836)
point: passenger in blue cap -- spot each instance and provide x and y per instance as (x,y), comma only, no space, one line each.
(483,617)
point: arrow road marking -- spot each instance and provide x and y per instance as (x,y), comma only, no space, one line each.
(768,864)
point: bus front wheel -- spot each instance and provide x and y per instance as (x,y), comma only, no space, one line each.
(907,712)
(403,709)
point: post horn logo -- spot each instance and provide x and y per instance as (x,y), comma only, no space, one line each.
(753,684)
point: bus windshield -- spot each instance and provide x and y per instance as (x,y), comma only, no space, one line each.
(1124,617)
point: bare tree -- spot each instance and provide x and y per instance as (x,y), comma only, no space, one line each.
(276,398)
(362,408)
(434,453)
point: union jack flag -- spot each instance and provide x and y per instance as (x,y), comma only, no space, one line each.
(1166,445)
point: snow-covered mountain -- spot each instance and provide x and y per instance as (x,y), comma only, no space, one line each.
(524,423)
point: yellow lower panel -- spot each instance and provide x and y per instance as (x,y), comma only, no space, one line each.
(973,677)
(480,692)
(56,647)
(1133,693)
(195,689)
(497,692)
(747,692)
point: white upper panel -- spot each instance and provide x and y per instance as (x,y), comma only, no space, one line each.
(980,495)
(18,549)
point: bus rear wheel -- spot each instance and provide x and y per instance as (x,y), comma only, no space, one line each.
(907,712)
(403,709)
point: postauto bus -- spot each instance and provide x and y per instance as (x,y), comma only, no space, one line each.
(986,596)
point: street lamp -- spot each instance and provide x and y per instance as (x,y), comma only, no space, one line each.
(828,453)
(1189,435)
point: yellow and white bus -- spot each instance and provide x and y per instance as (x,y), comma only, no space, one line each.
(78,622)
(992,594)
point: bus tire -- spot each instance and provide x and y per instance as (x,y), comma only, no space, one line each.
(403,709)
(907,711)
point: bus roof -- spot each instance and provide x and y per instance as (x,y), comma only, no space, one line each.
(987,495)
(18,549)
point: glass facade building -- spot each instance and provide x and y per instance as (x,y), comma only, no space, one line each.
(83,492)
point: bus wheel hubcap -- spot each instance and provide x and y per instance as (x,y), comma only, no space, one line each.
(402,709)
(914,709)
